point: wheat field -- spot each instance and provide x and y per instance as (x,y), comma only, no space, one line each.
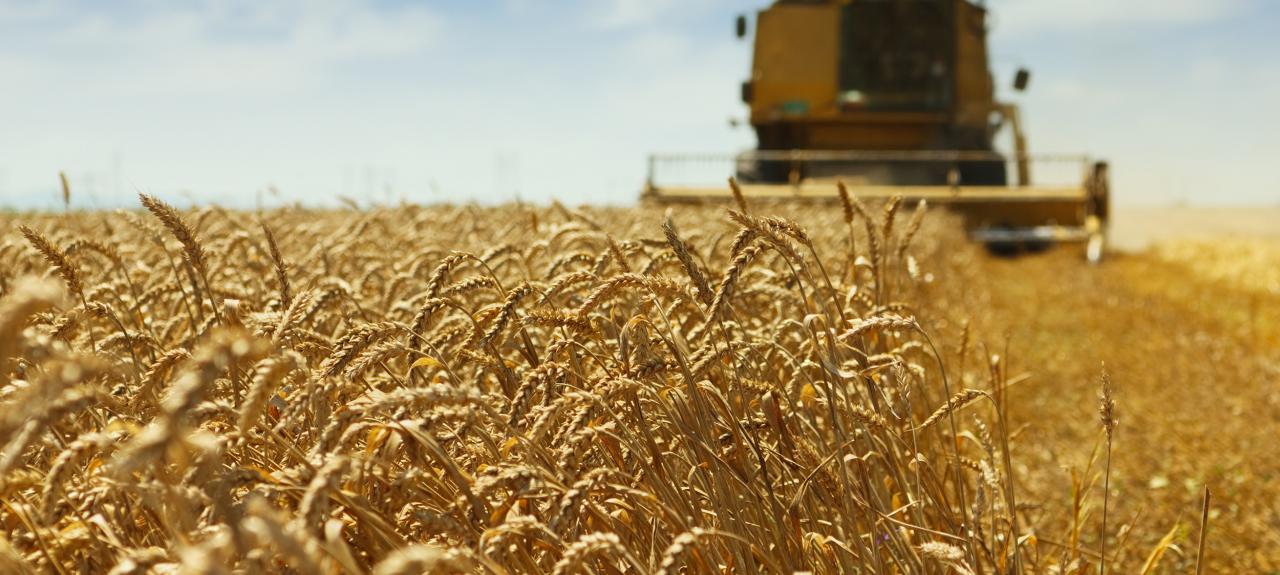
(518,389)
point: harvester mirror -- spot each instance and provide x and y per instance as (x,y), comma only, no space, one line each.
(742,26)
(1021,79)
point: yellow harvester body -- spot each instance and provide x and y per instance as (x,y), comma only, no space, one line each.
(894,98)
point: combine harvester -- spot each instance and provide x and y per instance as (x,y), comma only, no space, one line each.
(893,98)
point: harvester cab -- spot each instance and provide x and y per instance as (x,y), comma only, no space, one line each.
(892,98)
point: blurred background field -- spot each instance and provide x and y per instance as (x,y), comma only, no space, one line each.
(1190,328)
(1139,226)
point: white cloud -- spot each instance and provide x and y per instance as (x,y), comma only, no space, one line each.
(1187,136)
(1031,16)
(332,98)
(239,35)
(653,15)
(208,96)
(629,13)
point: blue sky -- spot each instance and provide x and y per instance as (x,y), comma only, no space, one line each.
(470,100)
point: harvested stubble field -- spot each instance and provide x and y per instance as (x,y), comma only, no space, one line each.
(518,390)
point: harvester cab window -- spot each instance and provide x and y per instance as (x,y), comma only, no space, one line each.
(896,55)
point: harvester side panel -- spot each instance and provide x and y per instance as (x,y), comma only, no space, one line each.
(795,57)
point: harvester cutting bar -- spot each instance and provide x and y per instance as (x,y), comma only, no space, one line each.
(819,191)
(1003,215)
(867,155)
(892,167)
